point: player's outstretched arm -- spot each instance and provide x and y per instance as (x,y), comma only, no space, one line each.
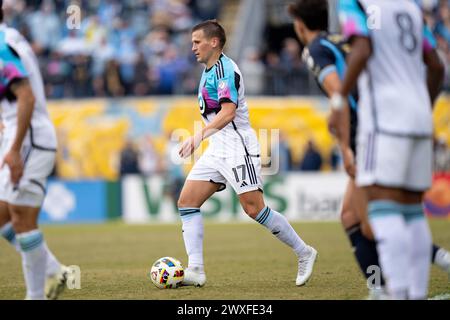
(435,74)
(339,122)
(357,60)
(25,105)
(224,117)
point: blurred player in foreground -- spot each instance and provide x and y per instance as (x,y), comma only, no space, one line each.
(325,56)
(233,156)
(27,158)
(395,129)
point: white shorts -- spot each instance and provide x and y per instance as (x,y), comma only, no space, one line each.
(30,192)
(394,161)
(242,172)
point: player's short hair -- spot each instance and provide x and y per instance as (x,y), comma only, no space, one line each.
(313,13)
(1,10)
(211,29)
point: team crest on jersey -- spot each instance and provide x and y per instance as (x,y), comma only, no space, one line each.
(222,85)
(201,104)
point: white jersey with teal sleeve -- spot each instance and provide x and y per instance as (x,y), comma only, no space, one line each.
(223,83)
(18,62)
(41,133)
(393,97)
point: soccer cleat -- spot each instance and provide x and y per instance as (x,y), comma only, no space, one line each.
(55,284)
(442,260)
(305,266)
(194,277)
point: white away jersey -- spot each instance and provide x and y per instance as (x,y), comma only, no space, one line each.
(18,54)
(393,95)
(223,83)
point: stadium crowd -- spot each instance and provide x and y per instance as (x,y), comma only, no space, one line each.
(131,47)
(142,47)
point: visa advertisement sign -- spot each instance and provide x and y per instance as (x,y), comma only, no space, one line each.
(299,196)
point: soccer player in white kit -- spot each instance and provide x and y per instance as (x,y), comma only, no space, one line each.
(390,43)
(27,156)
(232,156)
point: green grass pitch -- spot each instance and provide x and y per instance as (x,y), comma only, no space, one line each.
(243,261)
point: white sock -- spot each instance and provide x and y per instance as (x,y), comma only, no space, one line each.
(391,234)
(53,265)
(420,251)
(193,236)
(281,228)
(34,260)
(7,232)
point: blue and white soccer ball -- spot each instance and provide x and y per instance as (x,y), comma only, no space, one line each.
(167,273)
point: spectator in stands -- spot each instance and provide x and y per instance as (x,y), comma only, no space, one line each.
(441,30)
(107,10)
(56,73)
(81,76)
(296,73)
(129,159)
(173,170)
(141,83)
(169,71)
(149,160)
(335,158)
(112,79)
(93,32)
(441,155)
(206,9)
(155,44)
(126,53)
(180,14)
(45,28)
(252,70)
(442,27)
(14,10)
(73,44)
(312,160)
(101,54)
(274,75)
(284,154)
(290,54)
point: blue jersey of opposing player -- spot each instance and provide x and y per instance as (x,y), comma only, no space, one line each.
(327,54)
(11,68)
(221,83)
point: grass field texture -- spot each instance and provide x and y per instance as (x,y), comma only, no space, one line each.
(243,261)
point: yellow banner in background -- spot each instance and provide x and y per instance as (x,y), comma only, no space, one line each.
(92,132)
